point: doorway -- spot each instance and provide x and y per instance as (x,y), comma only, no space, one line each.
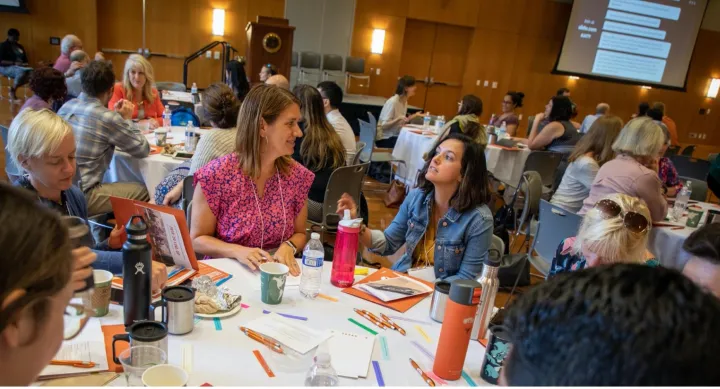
(435,54)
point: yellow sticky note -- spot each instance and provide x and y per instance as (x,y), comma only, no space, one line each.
(423,333)
(361,271)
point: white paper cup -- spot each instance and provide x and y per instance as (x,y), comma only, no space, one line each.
(165,375)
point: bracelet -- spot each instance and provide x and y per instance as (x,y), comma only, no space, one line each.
(292,246)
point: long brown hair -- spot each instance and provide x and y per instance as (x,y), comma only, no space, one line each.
(263,102)
(321,146)
(599,140)
(221,106)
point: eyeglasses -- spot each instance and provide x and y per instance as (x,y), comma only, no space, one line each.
(507,102)
(74,320)
(269,66)
(633,221)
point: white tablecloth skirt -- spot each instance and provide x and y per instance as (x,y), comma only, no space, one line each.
(506,165)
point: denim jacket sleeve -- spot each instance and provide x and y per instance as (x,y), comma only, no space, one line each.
(109,260)
(388,242)
(479,236)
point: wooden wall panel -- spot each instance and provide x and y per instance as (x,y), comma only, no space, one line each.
(457,12)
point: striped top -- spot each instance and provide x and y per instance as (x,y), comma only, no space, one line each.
(213,145)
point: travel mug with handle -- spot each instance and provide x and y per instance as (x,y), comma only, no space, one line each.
(178,309)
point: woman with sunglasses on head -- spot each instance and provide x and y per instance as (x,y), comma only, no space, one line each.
(510,103)
(634,170)
(444,223)
(614,230)
(39,272)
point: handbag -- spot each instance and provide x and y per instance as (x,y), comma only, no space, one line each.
(514,267)
(395,195)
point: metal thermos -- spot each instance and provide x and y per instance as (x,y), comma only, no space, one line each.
(439,301)
(137,270)
(143,333)
(455,331)
(490,283)
(79,234)
(178,309)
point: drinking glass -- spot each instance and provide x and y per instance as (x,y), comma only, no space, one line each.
(136,360)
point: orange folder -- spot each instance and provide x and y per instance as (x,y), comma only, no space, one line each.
(108,332)
(401,305)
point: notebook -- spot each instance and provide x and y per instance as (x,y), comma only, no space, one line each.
(351,353)
(401,305)
(88,346)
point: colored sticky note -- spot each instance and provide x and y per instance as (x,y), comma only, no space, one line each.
(378,373)
(366,328)
(423,333)
(467,378)
(384,348)
(218,325)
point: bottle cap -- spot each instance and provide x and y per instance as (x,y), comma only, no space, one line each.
(492,261)
(322,359)
(461,291)
(136,227)
(315,235)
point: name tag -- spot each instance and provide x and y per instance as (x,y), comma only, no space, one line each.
(423,273)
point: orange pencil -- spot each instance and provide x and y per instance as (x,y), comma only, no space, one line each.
(366,316)
(393,324)
(424,376)
(274,346)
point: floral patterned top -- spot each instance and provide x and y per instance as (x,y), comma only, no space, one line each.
(668,175)
(566,261)
(231,196)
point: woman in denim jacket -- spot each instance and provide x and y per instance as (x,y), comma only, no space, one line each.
(445,222)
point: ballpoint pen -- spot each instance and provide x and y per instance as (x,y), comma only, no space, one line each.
(393,324)
(83,364)
(424,376)
(377,319)
(274,346)
(366,316)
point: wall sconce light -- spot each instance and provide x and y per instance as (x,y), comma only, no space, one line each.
(218,22)
(378,41)
(646,87)
(714,87)
(574,77)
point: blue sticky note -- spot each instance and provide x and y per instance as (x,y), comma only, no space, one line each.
(218,325)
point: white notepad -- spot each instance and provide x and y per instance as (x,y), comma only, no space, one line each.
(351,353)
(88,346)
(291,333)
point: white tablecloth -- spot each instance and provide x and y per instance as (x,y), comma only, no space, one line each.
(505,165)
(225,358)
(666,243)
(150,170)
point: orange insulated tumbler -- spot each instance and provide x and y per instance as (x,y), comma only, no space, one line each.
(455,332)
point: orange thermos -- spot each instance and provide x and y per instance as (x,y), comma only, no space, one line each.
(455,332)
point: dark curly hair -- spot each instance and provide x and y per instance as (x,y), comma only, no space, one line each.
(616,325)
(48,83)
(221,105)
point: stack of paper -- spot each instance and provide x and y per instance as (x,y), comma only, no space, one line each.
(289,332)
(351,353)
(89,346)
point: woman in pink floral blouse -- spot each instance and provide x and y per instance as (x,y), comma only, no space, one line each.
(251,202)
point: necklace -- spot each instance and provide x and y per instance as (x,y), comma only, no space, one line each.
(262,218)
(426,250)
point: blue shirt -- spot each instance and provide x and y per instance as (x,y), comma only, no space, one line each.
(461,242)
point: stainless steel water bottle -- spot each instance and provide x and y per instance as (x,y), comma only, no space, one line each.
(490,284)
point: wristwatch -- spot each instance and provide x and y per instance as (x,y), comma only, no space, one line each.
(292,245)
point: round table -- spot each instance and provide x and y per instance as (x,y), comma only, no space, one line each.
(150,170)
(224,357)
(506,164)
(666,243)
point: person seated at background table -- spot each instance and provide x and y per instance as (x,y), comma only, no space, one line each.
(394,113)
(591,152)
(63,63)
(332,96)
(14,62)
(574,114)
(320,149)
(137,87)
(467,120)
(666,169)
(617,325)
(511,102)
(668,122)
(445,223)
(98,131)
(43,144)
(48,85)
(564,92)
(559,134)
(221,108)
(601,110)
(255,200)
(656,116)
(615,230)
(634,170)
(266,71)
(74,83)
(703,267)
(278,80)
(39,272)
(237,79)
(643,107)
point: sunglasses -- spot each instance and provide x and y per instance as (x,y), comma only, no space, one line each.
(633,221)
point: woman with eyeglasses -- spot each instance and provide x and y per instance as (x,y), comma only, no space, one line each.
(267,71)
(614,230)
(510,103)
(634,170)
(39,272)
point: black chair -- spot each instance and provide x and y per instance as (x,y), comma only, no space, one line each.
(691,167)
(187,192)
(688,151)
(672,150)
(699,188)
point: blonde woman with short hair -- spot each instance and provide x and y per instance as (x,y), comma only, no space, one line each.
(634,171)
(614,230)
(137,87)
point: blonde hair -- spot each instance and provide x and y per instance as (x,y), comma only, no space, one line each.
(34,133)
(321,146)
(641,137)
(609,239)
(263,102)
(137,60)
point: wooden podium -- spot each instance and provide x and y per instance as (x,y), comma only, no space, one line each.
(270,41)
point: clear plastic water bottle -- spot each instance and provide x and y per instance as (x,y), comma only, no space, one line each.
(503,131)
(194,92)
(321,373)
(681,201)
(439,124)
(167,114)
(426,121)
(312,265)
(190,137)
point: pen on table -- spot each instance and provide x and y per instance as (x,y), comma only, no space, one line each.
(366,316)
(393,324)
(274,346)
(677,228)
(83,364)
(424,376)
(377,319)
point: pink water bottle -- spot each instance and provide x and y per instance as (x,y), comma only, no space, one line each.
(345,254)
